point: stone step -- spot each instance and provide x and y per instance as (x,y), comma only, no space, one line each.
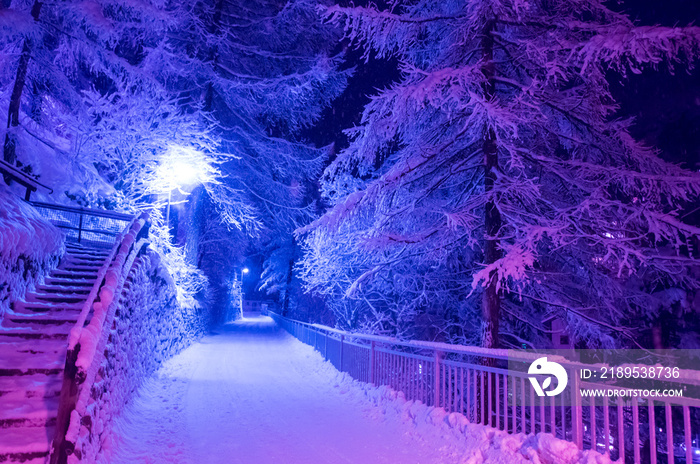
(47,318)
(16,371)
(72,267)
(83,246)
(59,281)
(35,412)
(27,355)
(57,313)
(56,298)
(40,322)
(76,276)
(28,445)
(21,388)
(62,290)
(34,307)
(42,328)
(87,258)
(9,336)
(99,252)
(83,258)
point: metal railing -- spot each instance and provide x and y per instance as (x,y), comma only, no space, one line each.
(492,387)
(84,225)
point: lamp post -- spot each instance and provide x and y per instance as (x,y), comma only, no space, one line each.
(182,168)
(167,214)
(245,270)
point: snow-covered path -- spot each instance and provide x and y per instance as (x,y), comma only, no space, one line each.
(253,394)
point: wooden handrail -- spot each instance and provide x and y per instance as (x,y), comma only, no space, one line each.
(22,178)
(86,342)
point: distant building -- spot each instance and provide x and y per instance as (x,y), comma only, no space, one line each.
(256,306)
(559,333)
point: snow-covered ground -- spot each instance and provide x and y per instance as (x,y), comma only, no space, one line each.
(253,394)
(30,247)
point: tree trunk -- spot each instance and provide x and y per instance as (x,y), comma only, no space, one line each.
(213,55)
(285,307)
(9,148)
(491,302)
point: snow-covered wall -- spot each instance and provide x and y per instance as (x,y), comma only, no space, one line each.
(149,327)
(30,247)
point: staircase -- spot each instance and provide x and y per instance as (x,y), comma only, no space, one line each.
(33,342)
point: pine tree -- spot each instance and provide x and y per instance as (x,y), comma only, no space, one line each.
(263,70)
(494,181)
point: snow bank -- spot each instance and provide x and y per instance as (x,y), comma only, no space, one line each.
(58,164)
(482,444)
(30,247)
(149,327)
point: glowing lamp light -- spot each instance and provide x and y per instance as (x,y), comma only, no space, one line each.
(183,174)
(183,167)
(245,270)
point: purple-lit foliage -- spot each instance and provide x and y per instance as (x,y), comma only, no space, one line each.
(493,184)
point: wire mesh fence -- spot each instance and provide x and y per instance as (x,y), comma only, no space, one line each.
(84,225)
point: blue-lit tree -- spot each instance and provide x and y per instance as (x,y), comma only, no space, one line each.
(261,72)
(494,184)
(113,85)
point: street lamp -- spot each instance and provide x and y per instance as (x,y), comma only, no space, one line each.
(182,175)
(180,168)
(245,270)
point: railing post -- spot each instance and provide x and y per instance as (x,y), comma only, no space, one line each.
(325,347)
(80,227)
(577,410)
(371,362)
(437,356)
(70,389)
(342,342)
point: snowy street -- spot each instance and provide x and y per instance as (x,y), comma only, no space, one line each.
(254,394)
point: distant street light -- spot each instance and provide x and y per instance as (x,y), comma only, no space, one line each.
(245,270)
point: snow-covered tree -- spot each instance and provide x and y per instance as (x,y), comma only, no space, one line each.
(263,70)
(494,178)
(88,90)
(87,86)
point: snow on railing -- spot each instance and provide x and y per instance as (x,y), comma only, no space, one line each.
(492,387)
(87,339)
